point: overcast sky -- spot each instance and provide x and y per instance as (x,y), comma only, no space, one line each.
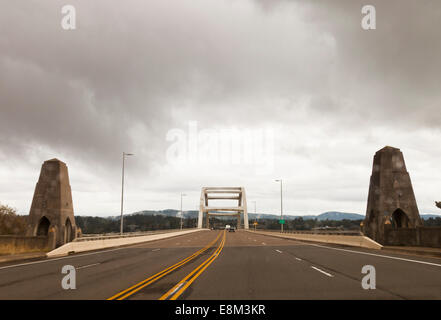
(317,94)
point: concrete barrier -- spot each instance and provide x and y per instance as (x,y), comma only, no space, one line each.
(91,237)
(415,237)
(12,244)
(75,247)
(347,240)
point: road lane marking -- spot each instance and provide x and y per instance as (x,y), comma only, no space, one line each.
(298,259)
(319,270)
(377,255)
(61,258)
(156,249)
(278,251)
(177,287)
(140,285)
(182,285)
(365,253)
(89,265)
(135,288)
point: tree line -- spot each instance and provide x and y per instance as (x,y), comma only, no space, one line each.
(10,222)
(13,224)
(132,223)
(308,224)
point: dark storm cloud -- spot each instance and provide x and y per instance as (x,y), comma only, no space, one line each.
(133,70)
(136,62)
(391,73)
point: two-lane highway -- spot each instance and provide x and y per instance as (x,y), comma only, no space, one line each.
(226,265)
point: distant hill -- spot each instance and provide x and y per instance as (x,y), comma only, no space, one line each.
(169,219)
(168,213)
(335,215)
(331,215)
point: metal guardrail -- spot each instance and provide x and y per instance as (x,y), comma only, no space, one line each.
(91,237)
(324,232)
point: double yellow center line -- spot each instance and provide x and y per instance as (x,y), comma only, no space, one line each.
(182,285)
(135,288)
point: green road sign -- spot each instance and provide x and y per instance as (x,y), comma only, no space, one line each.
(282,221)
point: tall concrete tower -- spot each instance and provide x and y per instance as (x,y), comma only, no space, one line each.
(391,201)
(52,207)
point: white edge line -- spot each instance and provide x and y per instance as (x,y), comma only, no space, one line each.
(66,257)
(89,265)
(278,251)
(377,255)
(55,259)
(369,254)
(319,270)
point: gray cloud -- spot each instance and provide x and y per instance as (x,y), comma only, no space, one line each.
(132,72)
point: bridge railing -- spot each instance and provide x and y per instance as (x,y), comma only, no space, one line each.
(91,237)
(334,232)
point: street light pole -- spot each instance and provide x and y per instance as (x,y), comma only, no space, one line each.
(281,204)
(122,189)
(182,195)
(255,216)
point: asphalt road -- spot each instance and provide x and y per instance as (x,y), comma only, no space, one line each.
(244,265)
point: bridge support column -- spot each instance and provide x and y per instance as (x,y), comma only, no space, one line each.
(201,210)
(245,210)
(223,193)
